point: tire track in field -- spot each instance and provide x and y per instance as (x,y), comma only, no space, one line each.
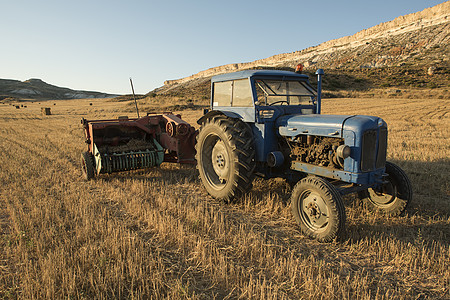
(431,113)
(28,147)
(430,118)
(7,130)
(62,152)
(29,165)
(43,151)
(60,141)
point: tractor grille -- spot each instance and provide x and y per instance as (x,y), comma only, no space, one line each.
(373,154)
(382,148)
(369,142)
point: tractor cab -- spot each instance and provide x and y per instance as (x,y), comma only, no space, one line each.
(263,95)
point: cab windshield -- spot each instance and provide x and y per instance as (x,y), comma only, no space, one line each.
(284,92)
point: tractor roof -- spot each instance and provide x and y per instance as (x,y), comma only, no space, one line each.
(272,74)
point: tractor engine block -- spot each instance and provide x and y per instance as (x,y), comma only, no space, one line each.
(317,150)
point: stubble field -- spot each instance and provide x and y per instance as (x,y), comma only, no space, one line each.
(157,234)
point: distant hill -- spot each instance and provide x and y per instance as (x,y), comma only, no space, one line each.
(410,51)
(38,89)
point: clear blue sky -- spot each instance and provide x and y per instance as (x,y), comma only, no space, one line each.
(98,44)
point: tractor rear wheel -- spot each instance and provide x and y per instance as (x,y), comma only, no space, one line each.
(87,165)
(393,197)
(225,157)
(318,208)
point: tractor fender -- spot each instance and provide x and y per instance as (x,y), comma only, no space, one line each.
(218,112)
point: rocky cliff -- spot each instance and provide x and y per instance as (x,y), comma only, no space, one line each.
(420,39)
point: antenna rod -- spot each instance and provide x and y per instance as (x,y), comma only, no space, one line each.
(134,97)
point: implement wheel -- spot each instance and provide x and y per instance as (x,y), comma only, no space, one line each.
(318,208)
(394,196)
(225,157)
(87,165)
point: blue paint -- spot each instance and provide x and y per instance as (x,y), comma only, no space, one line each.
(265,140)
(246,114)
(323,125)
(319,74)
(366,178)
(266,74)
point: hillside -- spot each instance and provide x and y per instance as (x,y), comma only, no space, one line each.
(38,89)
(408,52)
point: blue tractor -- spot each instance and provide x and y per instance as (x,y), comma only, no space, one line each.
(268,123)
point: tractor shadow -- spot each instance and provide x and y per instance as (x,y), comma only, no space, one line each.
(426,219)
(167,173)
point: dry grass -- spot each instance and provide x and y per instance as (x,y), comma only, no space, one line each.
(157,234)
(392,92)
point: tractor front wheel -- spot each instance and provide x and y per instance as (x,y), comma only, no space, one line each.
(318,208)
(225,157)
(87,165)
(393,197)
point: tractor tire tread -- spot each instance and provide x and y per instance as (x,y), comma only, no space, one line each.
(87,165)
(240,139)
(336,205)
(404,190)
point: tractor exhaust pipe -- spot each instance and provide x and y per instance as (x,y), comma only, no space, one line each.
(319,74)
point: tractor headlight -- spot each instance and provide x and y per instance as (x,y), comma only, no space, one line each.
(343,151)
(266,114)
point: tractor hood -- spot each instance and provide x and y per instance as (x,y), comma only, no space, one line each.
(324,125)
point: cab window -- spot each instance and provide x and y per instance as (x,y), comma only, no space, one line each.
(235,93)
(283,92)
(242,93)
(222,93)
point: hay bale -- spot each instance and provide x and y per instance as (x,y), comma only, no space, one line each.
(46,111)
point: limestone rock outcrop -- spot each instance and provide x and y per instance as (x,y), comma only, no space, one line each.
(393,43)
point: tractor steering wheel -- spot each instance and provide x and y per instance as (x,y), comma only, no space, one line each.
(279,101)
